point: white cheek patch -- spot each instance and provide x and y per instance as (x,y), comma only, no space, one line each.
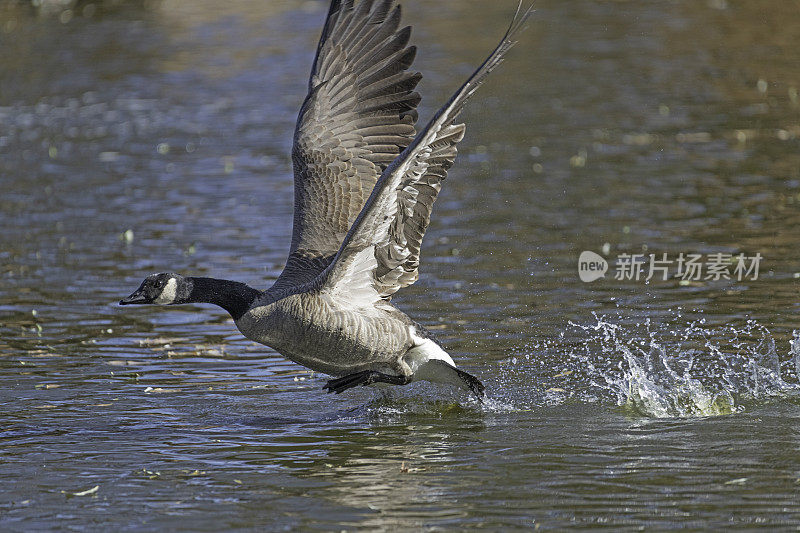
(169,293)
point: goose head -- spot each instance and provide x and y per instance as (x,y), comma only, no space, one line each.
(162,289)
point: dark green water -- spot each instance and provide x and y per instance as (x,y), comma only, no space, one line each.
(614,127)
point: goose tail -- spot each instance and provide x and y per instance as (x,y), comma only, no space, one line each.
(438,371)
(429,362)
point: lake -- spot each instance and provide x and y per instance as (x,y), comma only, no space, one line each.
(663,137)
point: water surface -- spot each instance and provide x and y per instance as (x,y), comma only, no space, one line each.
(156,137)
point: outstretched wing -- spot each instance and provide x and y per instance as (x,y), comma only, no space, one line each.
(358,116)
(380,254)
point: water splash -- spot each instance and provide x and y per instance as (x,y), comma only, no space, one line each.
(662,370)
(649,380)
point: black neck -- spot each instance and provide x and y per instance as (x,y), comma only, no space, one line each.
(233,296)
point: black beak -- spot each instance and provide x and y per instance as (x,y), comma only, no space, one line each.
(137,297)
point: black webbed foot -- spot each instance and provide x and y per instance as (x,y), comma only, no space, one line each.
(365,377)
(346,382)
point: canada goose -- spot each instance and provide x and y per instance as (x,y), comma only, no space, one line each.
(364,186)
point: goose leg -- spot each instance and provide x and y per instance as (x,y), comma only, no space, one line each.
(365,377)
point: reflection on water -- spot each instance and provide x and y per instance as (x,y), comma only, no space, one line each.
(155,136)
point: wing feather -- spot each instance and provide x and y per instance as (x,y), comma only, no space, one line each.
(358,116)
(382,248)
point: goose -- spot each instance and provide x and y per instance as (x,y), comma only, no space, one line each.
(364,186)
